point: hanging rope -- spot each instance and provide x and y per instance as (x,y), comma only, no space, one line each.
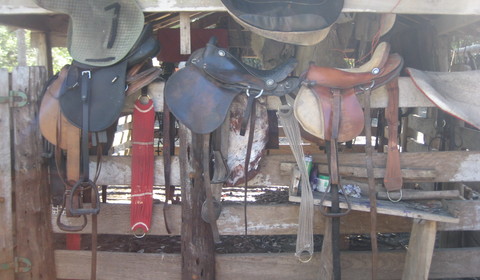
(142,167)
(304,249)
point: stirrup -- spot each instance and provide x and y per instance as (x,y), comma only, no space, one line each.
(329,214)
(395,200)
(81,185)
(65,227)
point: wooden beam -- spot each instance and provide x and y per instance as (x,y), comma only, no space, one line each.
(461,7)
(455,166)
(185,39)
(6,189)
(420,250)
(34,238)
(410,96)
(275,219)
(446,263)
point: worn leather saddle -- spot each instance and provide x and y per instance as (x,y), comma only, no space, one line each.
(106,86)
(200,94)
(454,92)
(305,22)
(314,104)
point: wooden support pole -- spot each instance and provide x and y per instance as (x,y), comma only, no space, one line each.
(185,38)
(420,250)
(198,255)
(6,211)
(34,238)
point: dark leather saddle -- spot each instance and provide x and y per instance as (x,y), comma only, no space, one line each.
(327,106)
(305,22)
(200,94)
(105,85)
(92,99)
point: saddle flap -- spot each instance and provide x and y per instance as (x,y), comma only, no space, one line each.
(453,92)
(197,101)
(53,125)
(101,32)
(313,110)
(106,100)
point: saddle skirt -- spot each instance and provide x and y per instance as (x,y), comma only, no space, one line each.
(453,92)
(54,127)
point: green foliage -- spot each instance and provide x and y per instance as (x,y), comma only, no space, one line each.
(60,57)
(8,51)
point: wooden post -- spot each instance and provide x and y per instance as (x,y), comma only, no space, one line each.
(6,211)
(198,255)
(420,250)
(34,238)
(185,38)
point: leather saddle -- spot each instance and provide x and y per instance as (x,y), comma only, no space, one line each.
(315,103)
(305,22)
(106,86)
(200,94)
(453,92)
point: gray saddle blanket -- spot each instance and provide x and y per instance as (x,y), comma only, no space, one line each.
(456,93)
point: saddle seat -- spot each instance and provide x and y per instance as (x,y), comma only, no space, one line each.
(226,68)
(352,77)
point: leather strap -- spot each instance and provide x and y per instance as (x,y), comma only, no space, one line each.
(371,184)
(212,219)
(247,159)
(167,160)
(393,176)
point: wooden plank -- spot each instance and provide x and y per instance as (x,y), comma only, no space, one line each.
(446,263)
(410,96)
(278,219)
(34,238)
(461,7)
(431,211)
(6,198)
(275,170)
(420,250)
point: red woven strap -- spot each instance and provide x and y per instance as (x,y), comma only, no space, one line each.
(142,167)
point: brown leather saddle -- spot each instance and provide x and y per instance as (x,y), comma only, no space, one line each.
(315,104)
(453,92)
(327,107)
(200,94)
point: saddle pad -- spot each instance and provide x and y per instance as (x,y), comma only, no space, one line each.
(101,32)
(53,125)
(106,98)
(197,101)
(454,92)
(304,22)
(313,111)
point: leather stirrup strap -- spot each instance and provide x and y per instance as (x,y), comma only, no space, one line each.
(212,219)
(371,183)
(252,116)
(393,177)
(167,160)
